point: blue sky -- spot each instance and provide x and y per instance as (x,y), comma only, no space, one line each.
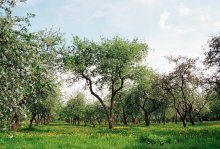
(171,27)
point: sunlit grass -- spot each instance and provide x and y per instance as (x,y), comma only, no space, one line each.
(63,135)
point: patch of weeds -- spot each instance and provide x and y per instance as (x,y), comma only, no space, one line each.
(154,139)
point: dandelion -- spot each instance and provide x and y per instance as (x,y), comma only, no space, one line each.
(10,136)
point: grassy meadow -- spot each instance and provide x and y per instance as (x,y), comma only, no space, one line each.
(63,135)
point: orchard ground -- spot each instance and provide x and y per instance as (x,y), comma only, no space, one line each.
(63,135)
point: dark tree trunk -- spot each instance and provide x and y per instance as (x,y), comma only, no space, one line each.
(92,122)
(133,120)
(183,121)
(191,119)
(32,119)
(38,119)
(16,122)
(110,122)
(99,120)
(190,115)
(176,118)
(78,121)
(164,118)
(44,119)
(124,117)
(147,119)
(85,123)
(200,118)
(110,118)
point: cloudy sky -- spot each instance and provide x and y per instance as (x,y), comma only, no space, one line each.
(170,27)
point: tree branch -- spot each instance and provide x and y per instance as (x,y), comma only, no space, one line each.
(93,93)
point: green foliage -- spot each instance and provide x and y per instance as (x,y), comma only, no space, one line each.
(107,59)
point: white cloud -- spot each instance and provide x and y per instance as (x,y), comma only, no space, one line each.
(120,16)
(164,16)
(183,30)
(33,2)
(173,44)
(149,3)
(184,10)
(204,17)
(217,24)
(26,3)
